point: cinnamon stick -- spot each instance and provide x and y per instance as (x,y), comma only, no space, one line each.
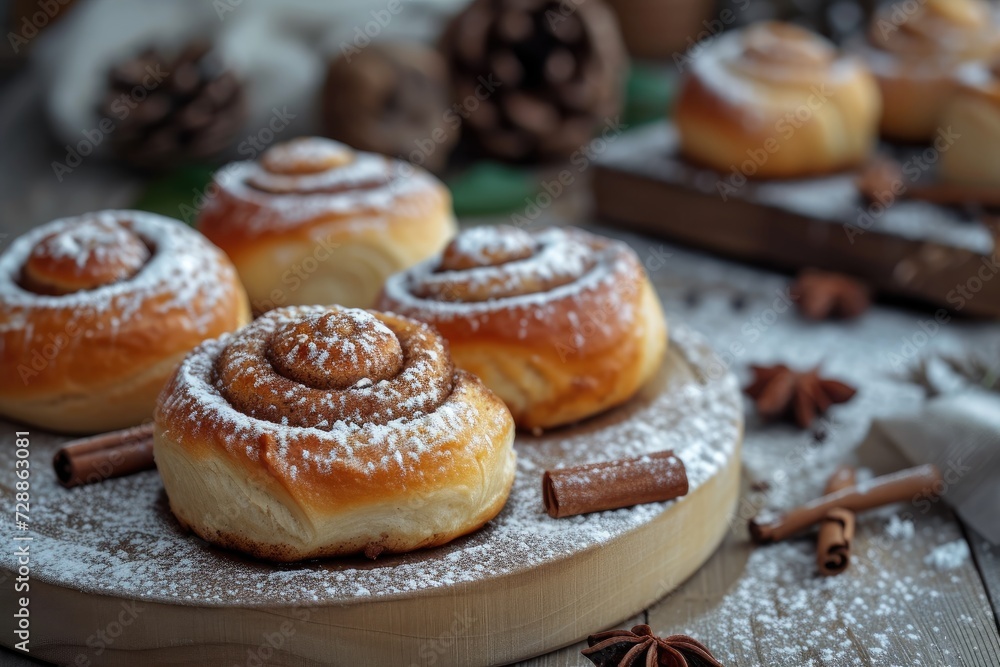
(904,485)
(609,485)
(836,531)
(105,456)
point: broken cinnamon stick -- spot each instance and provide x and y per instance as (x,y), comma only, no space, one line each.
(836,531)
(610,485)
(105,456)
(909,484)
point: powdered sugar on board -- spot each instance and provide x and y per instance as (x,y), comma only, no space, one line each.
(120,538)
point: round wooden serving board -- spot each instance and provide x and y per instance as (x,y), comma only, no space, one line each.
(115,581)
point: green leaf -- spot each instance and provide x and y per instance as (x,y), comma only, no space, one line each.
(491,188)
(649,92)
(177,194)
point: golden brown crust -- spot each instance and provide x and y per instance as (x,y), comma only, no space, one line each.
(973,118)
(915,55)
(561,335)
(316,222)
(96,311)
(407,456)
(775,101)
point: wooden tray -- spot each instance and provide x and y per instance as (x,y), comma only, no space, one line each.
(913,250)
(524,585)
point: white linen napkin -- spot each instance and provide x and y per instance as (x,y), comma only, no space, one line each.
(960,434)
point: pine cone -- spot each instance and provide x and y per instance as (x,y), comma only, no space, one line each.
(171,111)
(534,79)
(391,99)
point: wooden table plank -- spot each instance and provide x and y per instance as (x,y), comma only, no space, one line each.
(987,559)
(570,656)
(767,606)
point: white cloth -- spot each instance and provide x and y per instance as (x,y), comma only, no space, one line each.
(960,434)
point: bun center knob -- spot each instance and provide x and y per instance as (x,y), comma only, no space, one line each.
(487,246)
(307,155)
(786,44)
(85,256)
(336,349)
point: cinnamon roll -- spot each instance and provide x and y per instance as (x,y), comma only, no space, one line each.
(322,431)
(973,118)
(314,221)
(915,52)
(560,323)
(97,311)
(774,100)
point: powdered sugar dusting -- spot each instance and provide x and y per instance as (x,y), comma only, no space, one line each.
(105,241)
(120,536)
(369,185)
(185,273)
(569,267)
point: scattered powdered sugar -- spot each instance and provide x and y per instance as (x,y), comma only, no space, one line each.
(185,273)
(949,556)
(119,537)
(899,529)
(780,612)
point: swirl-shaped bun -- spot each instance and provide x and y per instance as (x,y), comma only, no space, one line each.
(915,55)
(96,312)
(561,324)
(314,221)
(331,431)
(973,117)
(775,100)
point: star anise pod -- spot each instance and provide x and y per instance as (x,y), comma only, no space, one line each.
(639,647)
(781,393)
(822,295)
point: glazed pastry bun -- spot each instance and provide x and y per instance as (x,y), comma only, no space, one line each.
(973,117)
(97,311)
(561,324)
(915,55)
(334,431)
(774,100)
(314,221)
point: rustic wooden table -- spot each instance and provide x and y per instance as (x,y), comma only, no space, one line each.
(766,606)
